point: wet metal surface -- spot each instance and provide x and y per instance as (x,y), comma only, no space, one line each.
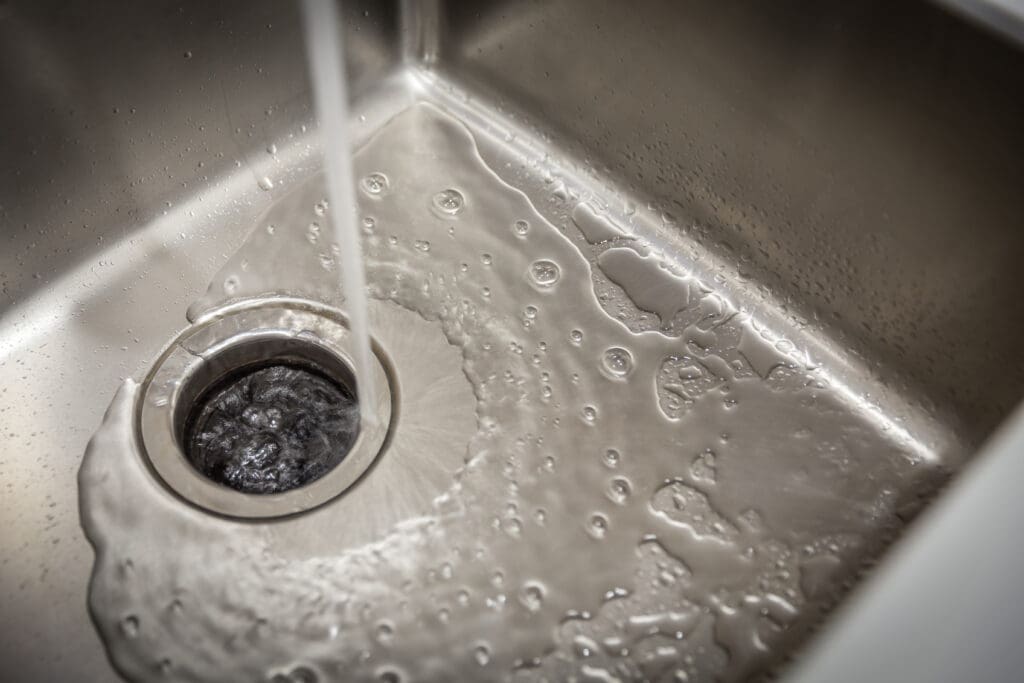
(848,280)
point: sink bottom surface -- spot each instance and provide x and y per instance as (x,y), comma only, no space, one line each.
(632,471)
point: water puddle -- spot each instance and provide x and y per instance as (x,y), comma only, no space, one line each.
(631,505)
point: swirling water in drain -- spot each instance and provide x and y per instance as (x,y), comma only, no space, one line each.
(634,504)
(272,429)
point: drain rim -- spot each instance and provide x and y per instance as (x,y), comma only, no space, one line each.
(301,329)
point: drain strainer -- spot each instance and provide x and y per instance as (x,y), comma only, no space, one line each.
(253,413)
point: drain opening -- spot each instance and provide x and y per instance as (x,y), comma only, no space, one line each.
(269,425)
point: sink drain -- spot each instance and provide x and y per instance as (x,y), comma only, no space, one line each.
(272,429)
(254,413)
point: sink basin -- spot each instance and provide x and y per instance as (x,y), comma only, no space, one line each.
(789,236)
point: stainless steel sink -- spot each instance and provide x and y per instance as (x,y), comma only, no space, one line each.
(812,210)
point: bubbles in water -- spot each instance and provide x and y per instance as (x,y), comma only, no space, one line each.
(309,421)
(450,202)
(520,228)
(544,273)
(617,361)
(375,184)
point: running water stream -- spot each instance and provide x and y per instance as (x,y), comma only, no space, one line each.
(330,93)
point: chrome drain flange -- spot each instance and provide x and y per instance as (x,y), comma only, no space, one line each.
(238,343)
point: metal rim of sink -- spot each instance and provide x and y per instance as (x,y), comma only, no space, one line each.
(236,338)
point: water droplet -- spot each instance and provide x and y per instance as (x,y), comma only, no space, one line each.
(368,225)
(612,458)
(385,633)
(375,184)
(617,361)
(619,490)
(302,674)
(486,259)
(320,208)
(230,285)
(313,233)
(590,414)
(513,527)
(482,655)
(422,245)
(188,54)
(271,229)
(530,312)
(703,466)
(389,676)
(544,273)
(598,525)
(130,626)
(520,228)
(271,149)
(266,183)
(449,202)
(532,596)
(576,337)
